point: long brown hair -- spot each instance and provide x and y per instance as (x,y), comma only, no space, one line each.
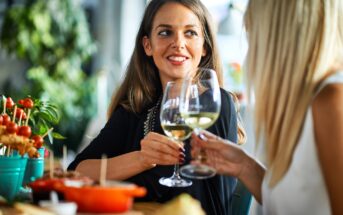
(292,45)
(141,85)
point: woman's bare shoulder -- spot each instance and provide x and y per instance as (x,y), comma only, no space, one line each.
(329,101)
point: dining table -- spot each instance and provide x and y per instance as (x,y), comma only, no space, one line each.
(24,208)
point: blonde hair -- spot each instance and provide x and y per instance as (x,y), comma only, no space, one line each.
(292,47)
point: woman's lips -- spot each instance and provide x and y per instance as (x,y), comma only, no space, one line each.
(177,60)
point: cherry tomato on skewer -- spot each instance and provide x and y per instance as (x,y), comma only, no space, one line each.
(5,119)
(19,112)
(9,102)
(21,102)
(11,128)
(38,141)
(28,103)
(25,131)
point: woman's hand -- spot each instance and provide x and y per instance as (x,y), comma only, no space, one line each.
(226,157)
(229,159)
(157,149)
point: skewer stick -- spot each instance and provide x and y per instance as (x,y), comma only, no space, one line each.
(51,164)
(64,158)
(4,110)
(103,169)
(48,131)
(28,117)
(21,115)
(14,113)
(8,150)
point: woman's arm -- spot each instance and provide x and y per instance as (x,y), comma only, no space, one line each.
(229,159)
(118,168)
(155,149)
(327,113)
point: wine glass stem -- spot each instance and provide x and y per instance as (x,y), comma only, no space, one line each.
(176,173)
(200,154)
(197,131)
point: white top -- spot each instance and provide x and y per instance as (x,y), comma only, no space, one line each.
(302,190)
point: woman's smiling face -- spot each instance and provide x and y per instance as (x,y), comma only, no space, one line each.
(176,42)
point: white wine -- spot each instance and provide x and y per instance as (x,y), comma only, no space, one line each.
(201,120)
(177,131)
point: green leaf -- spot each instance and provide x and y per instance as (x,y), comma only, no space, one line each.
(58,136)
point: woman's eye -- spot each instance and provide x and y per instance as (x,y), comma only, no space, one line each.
(164,33)
(191,33)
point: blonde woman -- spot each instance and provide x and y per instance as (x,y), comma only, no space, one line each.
(295,72)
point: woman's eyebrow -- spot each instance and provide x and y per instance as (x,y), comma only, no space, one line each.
(170,26)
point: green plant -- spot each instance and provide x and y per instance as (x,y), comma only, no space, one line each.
(43,116)
(54,37)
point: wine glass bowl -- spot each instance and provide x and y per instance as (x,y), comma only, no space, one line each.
(174,127)
(200,104)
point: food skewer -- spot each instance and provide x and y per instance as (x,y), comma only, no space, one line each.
(20,118)
(103,169)
(51,164)
(46,133)
(4,110)
(28,117)
(64,158)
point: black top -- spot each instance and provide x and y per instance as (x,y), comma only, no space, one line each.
(123,133)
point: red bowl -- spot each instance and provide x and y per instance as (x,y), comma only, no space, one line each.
(46,185)
(41,188)
(106,199)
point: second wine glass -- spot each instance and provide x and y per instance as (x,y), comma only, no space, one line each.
(174,127)
(200,106)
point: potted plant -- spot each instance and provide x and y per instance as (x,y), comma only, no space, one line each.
(53,37)
(21,137)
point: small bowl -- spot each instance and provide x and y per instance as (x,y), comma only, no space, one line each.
(60,208)
(41,189)
(114,197)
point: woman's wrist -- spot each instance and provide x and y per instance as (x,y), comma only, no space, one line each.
(250,168)
(252,176)
(142,162)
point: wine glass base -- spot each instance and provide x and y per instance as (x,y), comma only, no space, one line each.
(199,171)
(175,182)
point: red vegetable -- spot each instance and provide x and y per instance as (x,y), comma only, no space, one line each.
(38,141)
(1,120)
(21,102)
(9,102)
(5,119)
(28,103)
(19,112)
(11,128)
(25,131)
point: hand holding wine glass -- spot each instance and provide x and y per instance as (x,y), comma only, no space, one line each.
(200,106)
(174,127)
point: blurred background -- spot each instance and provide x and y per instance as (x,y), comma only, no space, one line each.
(74,53)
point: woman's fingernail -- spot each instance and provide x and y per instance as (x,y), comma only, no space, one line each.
(182,155)
(181,160)
(202,137)
(181,149)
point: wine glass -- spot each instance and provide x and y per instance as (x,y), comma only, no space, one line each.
(200,106)
(174,127)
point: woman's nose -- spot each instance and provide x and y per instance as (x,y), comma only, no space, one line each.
(179,41)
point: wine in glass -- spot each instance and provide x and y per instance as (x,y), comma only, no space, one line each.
(200,106)
(174,127)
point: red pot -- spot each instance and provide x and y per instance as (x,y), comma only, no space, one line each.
(107,199)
